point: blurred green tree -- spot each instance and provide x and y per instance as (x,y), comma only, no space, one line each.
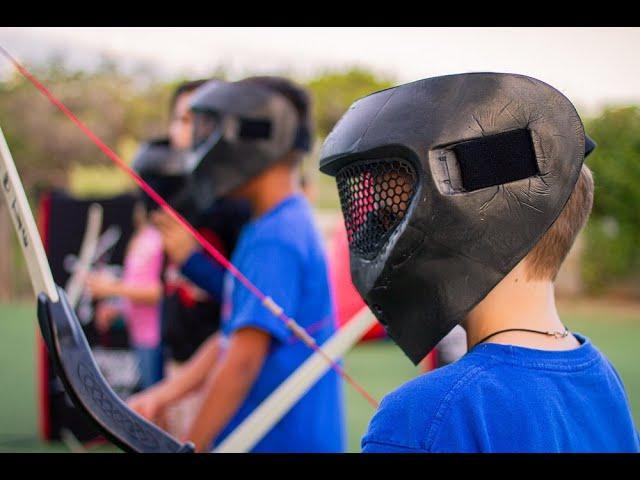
(333,93)
(47,145)
(119,108)
(612,254)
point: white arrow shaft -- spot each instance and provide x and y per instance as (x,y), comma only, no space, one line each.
(75,284)
(274,407)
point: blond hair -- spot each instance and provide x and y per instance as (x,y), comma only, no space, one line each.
(544,260)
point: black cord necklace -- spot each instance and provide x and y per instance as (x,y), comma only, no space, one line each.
(552,333)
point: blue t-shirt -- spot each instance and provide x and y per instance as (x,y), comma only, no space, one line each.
(503,398)
(281,253)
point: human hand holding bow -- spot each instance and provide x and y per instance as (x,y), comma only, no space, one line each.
(179,244)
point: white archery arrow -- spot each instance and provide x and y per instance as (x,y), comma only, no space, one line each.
(283,398)
(82,267)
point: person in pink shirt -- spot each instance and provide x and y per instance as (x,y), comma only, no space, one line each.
(136,296)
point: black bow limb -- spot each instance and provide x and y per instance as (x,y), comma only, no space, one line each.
(74,364)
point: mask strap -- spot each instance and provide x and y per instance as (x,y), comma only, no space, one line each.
(261,129)
(255,129)
(303,139)
(496,159)
(589,145)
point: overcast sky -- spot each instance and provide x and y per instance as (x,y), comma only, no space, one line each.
(592,66)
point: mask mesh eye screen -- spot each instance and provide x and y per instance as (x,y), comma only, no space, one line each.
(204,124)
(375,197)
(496,159)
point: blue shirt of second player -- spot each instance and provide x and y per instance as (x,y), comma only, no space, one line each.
(281,253)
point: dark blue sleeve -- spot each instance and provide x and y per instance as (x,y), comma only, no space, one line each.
(205,273)
(395,427)
(276,269)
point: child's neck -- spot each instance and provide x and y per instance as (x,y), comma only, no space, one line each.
(518,303)
(271,188)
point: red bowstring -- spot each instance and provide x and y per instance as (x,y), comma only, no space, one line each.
(268,303)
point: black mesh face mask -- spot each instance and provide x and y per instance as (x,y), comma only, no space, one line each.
(165,169)
(375,196)
(445,185)
(240,130)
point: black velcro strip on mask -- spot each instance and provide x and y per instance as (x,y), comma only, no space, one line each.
(496,159)
(255,129)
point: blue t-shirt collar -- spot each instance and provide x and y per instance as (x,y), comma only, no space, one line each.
(573,359)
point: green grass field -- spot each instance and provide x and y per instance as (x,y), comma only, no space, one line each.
(380,367)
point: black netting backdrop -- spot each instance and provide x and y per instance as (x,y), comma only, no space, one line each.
(66,223)
(375,197)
